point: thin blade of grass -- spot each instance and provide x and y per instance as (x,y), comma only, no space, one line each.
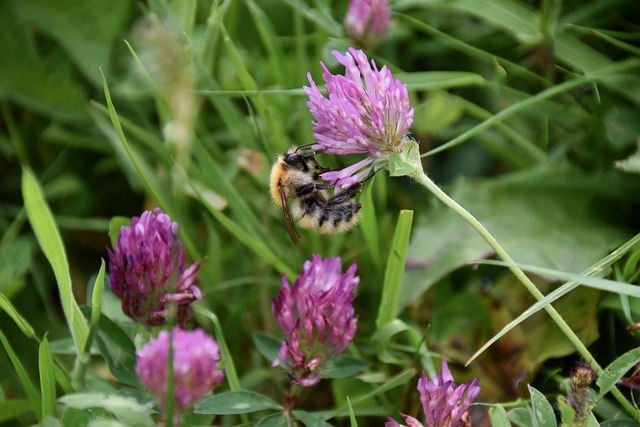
(19,320)
(432,80)
(352,416)
(472,51)
(270,41)
(369,225)
(32,394)
(47,380)
(46,231)
(590,282)
(218,180)
(324,20)
(499,117)
(263,252)
(558,293)
(96,306)
(115,121)
(399,380)
(229,366)
(395,270)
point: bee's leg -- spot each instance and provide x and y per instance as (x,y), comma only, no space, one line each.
(347,194)
(305,189)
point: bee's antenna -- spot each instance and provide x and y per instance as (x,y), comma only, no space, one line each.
(304,146)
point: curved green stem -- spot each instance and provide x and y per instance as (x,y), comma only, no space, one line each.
(423,179)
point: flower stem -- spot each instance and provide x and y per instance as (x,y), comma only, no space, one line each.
(423,179)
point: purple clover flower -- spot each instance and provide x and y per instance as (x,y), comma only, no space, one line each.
(367,21)
(316,316)
(146,270)
(445,404)
(195,369)
(367,111)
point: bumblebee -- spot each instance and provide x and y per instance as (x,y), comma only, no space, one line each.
(295,177)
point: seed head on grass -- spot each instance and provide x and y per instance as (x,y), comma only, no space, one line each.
(317,318)
(146,270)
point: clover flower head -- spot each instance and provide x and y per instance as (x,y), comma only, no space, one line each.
(444,403)
(195,365)
(367,111)
(317,318)
(146,270)
(367,21)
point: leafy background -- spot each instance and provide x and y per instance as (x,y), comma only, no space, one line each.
(526,113)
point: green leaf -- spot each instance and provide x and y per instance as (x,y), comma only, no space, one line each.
(50,241)
(309,419)
(398,166)
(267,345)
(343,366)
(126,409)
(568,237)
(275,420)
(498,417)
(116,223)
(47,380)
(32,394)
(235,402)
(395,270)
(118,350)
(542,411)
(521,417)
(567,413)
(616,370)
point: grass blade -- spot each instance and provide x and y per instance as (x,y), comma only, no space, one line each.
(32,394)
(395,270)
(369,225)
(96,305)
(50,241)
(559,292)
(20,321)
(47,380)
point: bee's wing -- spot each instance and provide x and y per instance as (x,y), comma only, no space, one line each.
(288,220)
